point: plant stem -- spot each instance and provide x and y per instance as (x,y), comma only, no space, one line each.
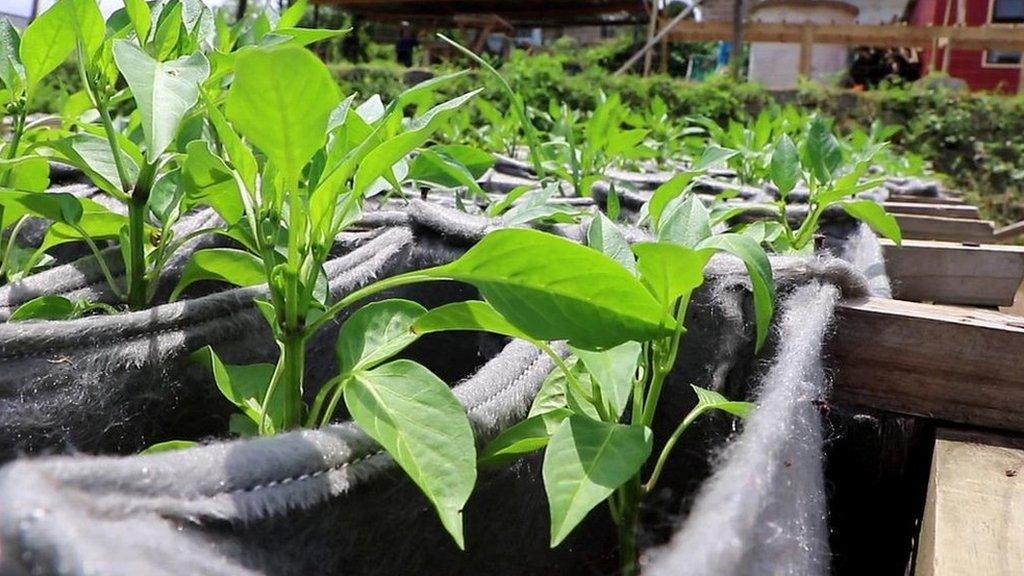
(667,449)
(630,519)
(138,206)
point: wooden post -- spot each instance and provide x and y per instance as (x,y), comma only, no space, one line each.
(664,53)
(972,518)
(806,50)
(652,29)
(736,53)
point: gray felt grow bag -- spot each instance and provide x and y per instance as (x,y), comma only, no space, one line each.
(119,383)
(330,502)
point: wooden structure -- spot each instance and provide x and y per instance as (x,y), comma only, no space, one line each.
(1008,37)
(974,515)
(521,13)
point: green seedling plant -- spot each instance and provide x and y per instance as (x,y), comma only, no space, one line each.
(753,142)
(582,156)
(149,160)
(832,179)
(594,415)
(666,137)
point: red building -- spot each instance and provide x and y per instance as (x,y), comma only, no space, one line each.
(981,69)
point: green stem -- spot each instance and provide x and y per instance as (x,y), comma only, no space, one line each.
(138,206)
(366,291)
(667,449)
(286,381)
(630,513)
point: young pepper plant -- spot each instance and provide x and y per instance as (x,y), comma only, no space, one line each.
(832,179)
(594,417)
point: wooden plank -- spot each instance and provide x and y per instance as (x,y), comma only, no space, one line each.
(950,229)
(952,273)
(1008,233)
(1004,37)
(954,364)
(965,211)
(974,513)
(926,199)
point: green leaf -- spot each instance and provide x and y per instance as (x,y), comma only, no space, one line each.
(236,267)
(244,386)
(685,222)
(56,207)
(430,166)
(281,100)
(422,425)
(556,392)
(44,308)
(377,332)
(605,237)
(307,36)
(12,73)
(785,165)
(554,289)
(140,15)
(163,91)
(50,38)
(31,173)
(667,192)
(711,400)
(471,315)
(379,161)
(169,446)
(91,154)
(473,159)
(760,270)
(822,149)
(97,222)
(293,15)
(613,371)
(521,439)
(208,181)
(713,156)
(586,461)
(874,215)
(670,271)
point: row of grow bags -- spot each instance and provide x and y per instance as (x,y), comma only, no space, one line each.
(328,501)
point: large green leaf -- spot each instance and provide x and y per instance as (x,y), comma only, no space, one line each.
(671,271)
(281,100)
(140,16)
(586,461)
(51,37)
(432,167)
(469,315)
(422,425)
(874,215)
(613,371)
(164,91)
(554,289)
(760,270)
(713,155)
(377,332)
(237,267)
(56,207)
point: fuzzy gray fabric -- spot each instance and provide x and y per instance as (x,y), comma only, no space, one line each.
(763,509)
(121,382)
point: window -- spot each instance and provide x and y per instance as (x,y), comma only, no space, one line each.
(1002,57)
(1007,11)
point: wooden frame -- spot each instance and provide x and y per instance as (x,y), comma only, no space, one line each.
(952,273)
(952,364)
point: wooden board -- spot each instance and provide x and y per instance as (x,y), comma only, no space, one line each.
(926,199)
(964,211)
(953,273)
(963,365)
(974,514)
(950,229)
